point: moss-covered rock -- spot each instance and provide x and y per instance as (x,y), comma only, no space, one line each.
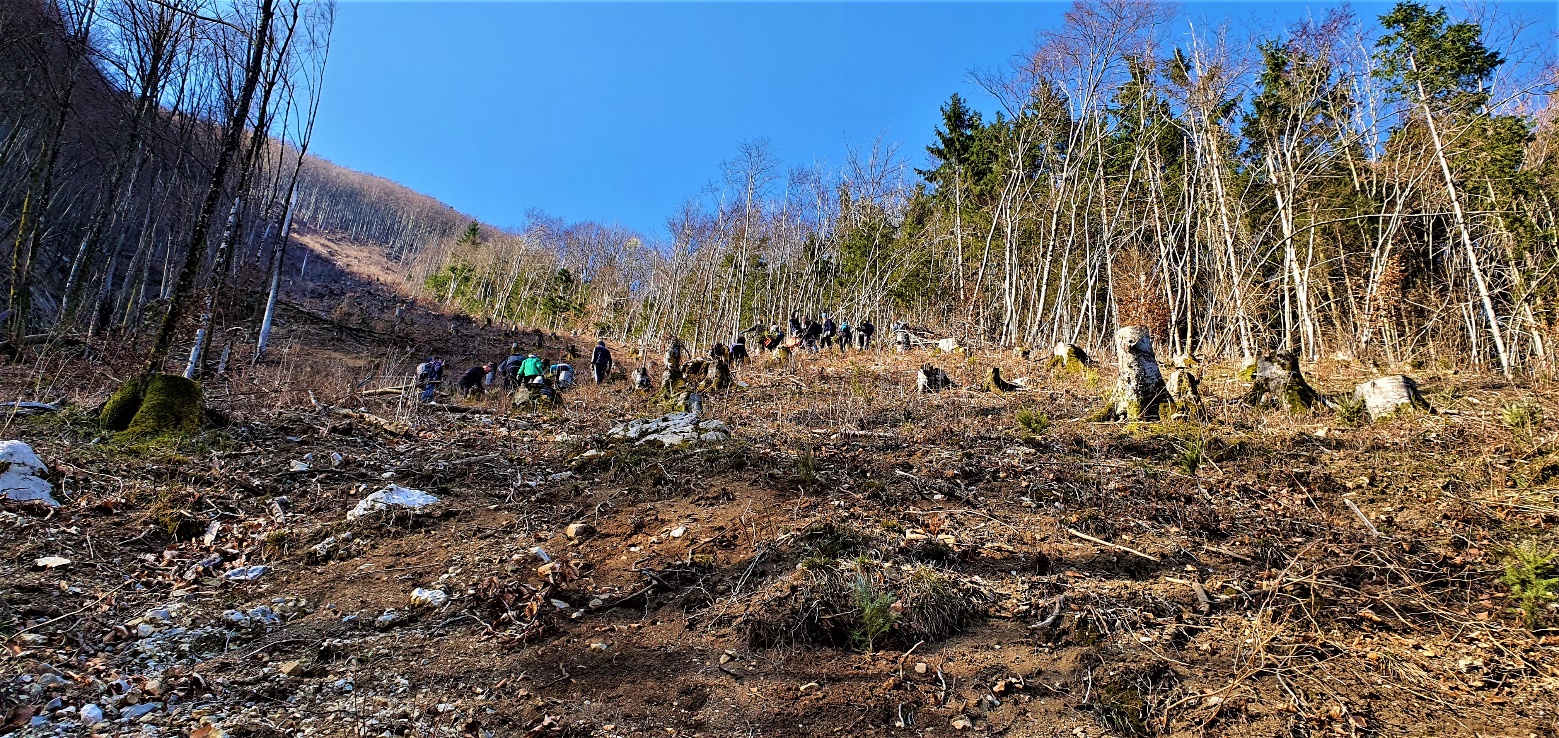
(154,405)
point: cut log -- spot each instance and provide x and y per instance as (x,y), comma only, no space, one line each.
(949,345)
(1277,382)
(994,382)
(1387,395)
(932,379)
(1069,358)
(388,426)
(1139,391)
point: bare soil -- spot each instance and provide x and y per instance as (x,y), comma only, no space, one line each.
(1064,579)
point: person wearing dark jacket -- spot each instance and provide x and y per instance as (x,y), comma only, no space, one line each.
(812,331)
(600,362)
(865,331)
(509,370)
(830,329)
(739,350)
(471,382)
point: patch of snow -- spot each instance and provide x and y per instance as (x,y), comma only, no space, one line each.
(21,474)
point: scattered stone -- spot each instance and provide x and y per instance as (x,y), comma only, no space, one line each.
(578,530)
(51,562)
(293,668)
(391,497)
(299,466)
(21,474)
(673,430)
(560,476)
(809,686)
(961,723)
(328,548)
(429,597)
(48,681)
(246,573)
(679,531)
(136,712)
(259,617)
(91,714)
(279,506)
(921,667)
(599,646)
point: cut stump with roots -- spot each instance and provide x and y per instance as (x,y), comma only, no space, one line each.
(1069,358)
(931,379)
(1277,382)
(994,382)
(155,405)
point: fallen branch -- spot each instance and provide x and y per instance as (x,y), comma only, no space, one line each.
(388,426)
(1115,546)
(1362,517)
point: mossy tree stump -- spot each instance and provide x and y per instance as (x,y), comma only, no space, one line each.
(995,383)
(154,405)
(1139,390)
(1069,358)
(1277,382)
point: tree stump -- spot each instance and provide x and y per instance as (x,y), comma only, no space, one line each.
(1069,358)
(1139,390)
(901,341)
(717,376)
(1182,387)
(932,379)
(1387,395)
(1278,383)
(641,379)
(155,404)
(994,382)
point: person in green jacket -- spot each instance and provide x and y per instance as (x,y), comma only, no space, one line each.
(531,368)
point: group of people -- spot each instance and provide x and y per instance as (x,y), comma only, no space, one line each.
(534,373)
(515,371)
(827,334)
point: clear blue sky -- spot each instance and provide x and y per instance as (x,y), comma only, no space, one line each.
(619,112)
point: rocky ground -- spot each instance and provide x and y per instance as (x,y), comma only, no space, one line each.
(827,553)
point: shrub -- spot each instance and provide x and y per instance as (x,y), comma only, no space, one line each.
(1350,410)
(1522,418)
(1530,573)
(875,609)
(1033,421)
